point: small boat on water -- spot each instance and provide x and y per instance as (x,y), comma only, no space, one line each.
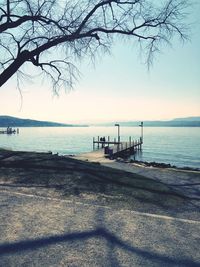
(9,130)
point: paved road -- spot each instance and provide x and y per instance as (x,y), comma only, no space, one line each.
(40,231)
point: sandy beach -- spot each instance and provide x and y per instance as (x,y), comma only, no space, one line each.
(90,211)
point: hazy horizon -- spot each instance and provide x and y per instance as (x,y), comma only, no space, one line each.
(107,121)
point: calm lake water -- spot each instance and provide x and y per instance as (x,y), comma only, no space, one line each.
(174,145)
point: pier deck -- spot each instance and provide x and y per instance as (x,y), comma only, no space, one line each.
(127,148)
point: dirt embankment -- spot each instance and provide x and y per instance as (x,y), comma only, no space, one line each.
(120,187)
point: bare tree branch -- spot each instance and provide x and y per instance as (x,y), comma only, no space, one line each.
(52,35)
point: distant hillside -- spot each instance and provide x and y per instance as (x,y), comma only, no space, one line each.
(179,122)
(188,119)
(6,121)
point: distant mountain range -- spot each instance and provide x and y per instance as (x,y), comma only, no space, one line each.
(6,121)
(178,122)
(188,119)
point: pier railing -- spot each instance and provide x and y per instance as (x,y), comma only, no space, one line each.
(113,149)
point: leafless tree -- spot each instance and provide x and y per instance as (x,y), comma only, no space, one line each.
(53,35)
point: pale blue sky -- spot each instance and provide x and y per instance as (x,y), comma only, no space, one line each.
(120,87)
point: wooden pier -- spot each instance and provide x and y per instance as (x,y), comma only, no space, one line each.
(9,130)
(113,149)
(125,149)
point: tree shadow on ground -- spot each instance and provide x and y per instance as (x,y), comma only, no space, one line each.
(74,179)
(112,240)
(95,184)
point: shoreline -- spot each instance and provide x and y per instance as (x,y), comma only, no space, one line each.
(94,163)
(163,165)
(98,157)
(90,177)
(84,155)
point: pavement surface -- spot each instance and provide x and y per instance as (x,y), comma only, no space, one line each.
(90,215)
(43,231)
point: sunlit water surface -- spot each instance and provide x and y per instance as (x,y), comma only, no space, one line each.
(178,146)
